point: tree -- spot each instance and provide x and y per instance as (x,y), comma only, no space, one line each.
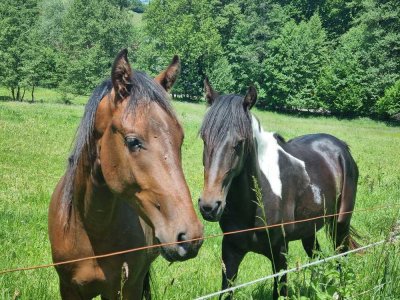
(186,28)
(93,32)
(365,63)
(381,47)
(247,27)
(294,64)
(17,18)
(341,87)
(389,104)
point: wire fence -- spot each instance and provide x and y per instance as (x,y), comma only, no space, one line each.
(18,269)
(296,269)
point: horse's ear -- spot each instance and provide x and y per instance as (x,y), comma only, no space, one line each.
(209,92)
(168,77)
(121,75)
(250,98)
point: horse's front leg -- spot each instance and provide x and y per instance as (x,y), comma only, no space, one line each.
(231,259)
(279,262)
(69,292)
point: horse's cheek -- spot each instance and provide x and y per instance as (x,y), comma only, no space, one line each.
(113,168)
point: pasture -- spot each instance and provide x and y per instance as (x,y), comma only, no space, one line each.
(35,140)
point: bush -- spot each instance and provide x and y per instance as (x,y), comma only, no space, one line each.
(389,104)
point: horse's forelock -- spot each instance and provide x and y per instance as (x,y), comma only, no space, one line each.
(225,115)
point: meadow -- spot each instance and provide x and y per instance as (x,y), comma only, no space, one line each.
(35,140)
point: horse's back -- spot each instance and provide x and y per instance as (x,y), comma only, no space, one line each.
(332,170)
(325,149)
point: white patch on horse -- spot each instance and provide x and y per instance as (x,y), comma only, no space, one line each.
(268,151)
(268,157)
(323,148)
(317,193)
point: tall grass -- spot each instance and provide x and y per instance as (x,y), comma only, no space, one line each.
(34,144)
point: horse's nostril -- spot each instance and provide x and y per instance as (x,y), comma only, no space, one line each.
(199,200)
(207,208)
(181,237)
(218,204)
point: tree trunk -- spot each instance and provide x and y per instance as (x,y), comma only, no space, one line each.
(23,95)
(33,90)
(18,94)
(13,93)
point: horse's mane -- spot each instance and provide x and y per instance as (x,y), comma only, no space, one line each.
(225,114)
(143,90)
(279,138)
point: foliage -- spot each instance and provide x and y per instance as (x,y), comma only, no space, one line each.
(186,28)
(93,32)
(381,45)
(16,20)
(293,66)
(365,63)
(221,76)
(341,84)
(334,56)
(325,281)
(258,23)
(389,104)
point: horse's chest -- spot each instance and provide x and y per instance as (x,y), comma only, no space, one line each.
(106,275)
(89,272)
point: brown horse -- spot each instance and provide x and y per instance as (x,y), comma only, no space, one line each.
(306,177)
(124,188)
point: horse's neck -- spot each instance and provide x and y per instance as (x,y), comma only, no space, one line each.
(242,196)
(94,202)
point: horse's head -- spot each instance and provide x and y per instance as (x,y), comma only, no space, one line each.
(139,154)
(227,135)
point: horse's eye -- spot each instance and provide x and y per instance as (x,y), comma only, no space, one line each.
(133,143)
(238,147)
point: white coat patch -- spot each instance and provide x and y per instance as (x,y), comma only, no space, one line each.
(317,193)
(321,148)
(268,151)
(268,157)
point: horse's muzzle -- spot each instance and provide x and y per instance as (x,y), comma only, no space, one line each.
(181,251)
(211,211)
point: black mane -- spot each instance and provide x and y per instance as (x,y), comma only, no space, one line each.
(225,114)
(143,90)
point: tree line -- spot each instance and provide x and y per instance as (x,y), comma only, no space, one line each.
(341,56)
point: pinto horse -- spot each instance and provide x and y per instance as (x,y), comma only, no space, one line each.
(124,188)
(309,176)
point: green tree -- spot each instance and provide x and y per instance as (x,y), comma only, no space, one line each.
(17,18)
(186,28)
(336,15)
(365,63)
(221,76)
(251,29)
(389,104)
(93,32)
(381,47)
(341,87)
(294,64)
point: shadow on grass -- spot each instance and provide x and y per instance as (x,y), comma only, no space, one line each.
(188,98)
(6,98)
(392,121)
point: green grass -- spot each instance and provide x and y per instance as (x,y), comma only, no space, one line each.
(35,140)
